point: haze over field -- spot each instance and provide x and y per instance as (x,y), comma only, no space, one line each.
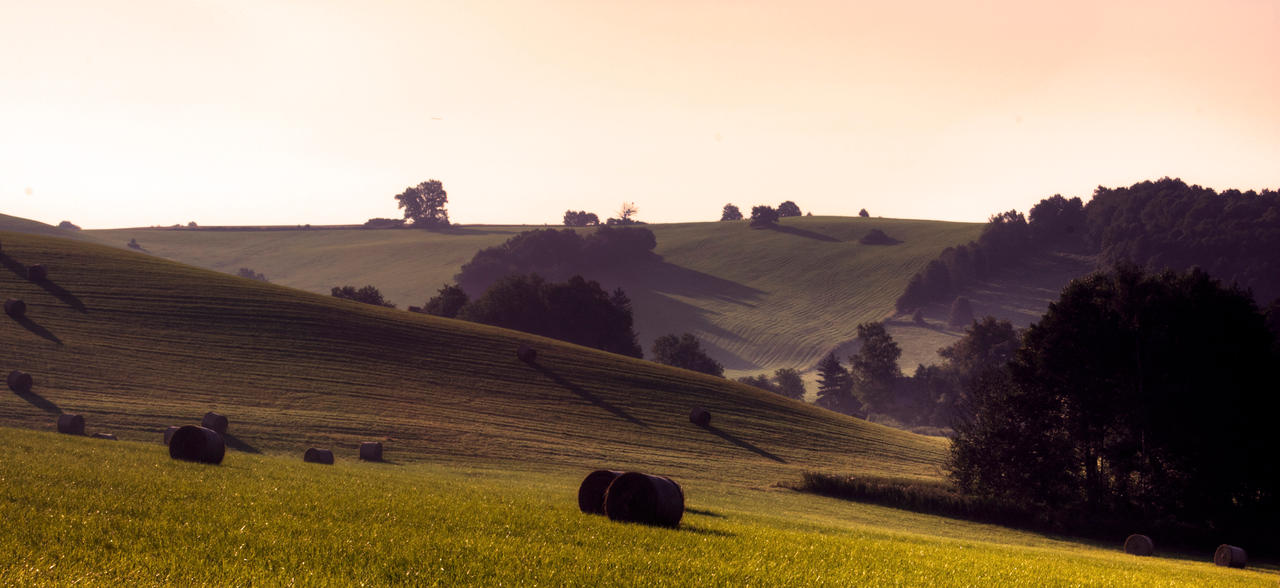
(144,113)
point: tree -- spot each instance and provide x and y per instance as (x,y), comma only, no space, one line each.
(874,367)
(788,208)
(685,352)
(243,272)
(760,381)
(72,226)
(447,302)
(789,383)
(961,312)
(580,218)
(367,295)
(731,213)
(863,213)
(424,204)
(625,214)
(835,387)
(763,217)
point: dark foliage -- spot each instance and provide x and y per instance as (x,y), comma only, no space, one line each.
(835,387)
(245,272)
(447,302)
(730,213)
(580,218)
(367,295)
(874,368)
(384,223)
(626,215)
(577,311)
(961,312)
(68,225)
(686,352)
(863,213)
(557,255)
(1057,221)
(788,208)
(424,204)
(761,381)
(763,216)
(785,381)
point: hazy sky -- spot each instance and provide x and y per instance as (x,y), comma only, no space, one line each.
(226,112)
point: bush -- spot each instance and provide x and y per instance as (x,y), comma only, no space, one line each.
(367,295)
(384,223)
(245,272)
(448,302)
(685,352)
(68,225)
(557,254)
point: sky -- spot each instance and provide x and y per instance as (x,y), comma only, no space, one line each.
(155,112)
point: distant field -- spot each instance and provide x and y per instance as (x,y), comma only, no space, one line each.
(81,510)
(760,299)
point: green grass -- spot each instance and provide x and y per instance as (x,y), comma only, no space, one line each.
(759,299)
(87,511)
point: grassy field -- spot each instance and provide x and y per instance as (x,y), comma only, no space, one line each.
(88,511)
(759,299)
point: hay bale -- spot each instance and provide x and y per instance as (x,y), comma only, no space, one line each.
(15,308)
(199,444)
(314,455)
(591,491)
(107,436)
(70,424)
(37,273)
(527,354)
(1137,544)
(19,381)
(168,433)
(641,498)
(215,421)
(700,417)
(1230,556)
(371,451)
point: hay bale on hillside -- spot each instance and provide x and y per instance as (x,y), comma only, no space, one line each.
(199,444)
(168,433)
(371,451)
(1230,556)
(15,308)
(591,491)
(107,436)
(37,273)
(70,424)
(1139,545)
(314,455)
(640,498)
(19,381)
(700,417)
(527,354)
(215,421)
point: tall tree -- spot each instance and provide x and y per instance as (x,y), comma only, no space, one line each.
(685,351)
(763,217)
(448,302)
(874,367)
(835,387)
(424,204)
(730,213)
(789,383)
(788,208)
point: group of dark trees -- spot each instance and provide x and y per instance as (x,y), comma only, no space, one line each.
(244,272)
(785,381)
(761,215)
(870,382)
(580,218)
(557,254)
(685,351)
(367,295)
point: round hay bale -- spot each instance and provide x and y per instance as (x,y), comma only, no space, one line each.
(19,381)
(700,417)
(107,436)
(314,455)
(37,273)
(640,498)
(371,451)
(1137,544)
(71,424)
(1230,556)
(168,433)
(591,491)
(215,421)
(199,444)
(15,308)
(527,354)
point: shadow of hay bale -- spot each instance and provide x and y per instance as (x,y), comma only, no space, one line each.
(71,424)
(198,444)
(1139,545)
(315,455)
(1230,556)
(107,436)
(591,491)
(640,498)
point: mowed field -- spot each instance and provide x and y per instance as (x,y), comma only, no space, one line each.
(484,454)
(758,299)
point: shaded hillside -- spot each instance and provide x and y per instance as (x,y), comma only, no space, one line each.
(136,343)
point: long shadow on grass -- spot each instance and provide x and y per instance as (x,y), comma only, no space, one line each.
(57,291)
(705,513)
(31,325)
(235,443)
(701,531)
(589,397)
(743,444)
(804,233)
(39,402)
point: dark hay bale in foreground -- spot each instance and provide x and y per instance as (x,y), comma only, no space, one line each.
(15,308)
(215,421)
(37,273)
(107,436)
(591,491)
(19,381)
(199,444)
(700,417)
(168,433)
(1230,556)
(371,451)
(639,498)
(1139,545)
(314,455)
(527,354)
(71,424)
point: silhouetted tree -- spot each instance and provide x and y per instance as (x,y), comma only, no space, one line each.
(367,295)
(557,255)
(789,383)
(625,215)
(763,216)
(761,381)
(961,312)
(447,302)
(685,352)
(245,272)
(580,218)
(788,208)
(731,213)
(835,387)
(68,225)
(1057,221)
(863,213)
(424,204)
(874,367)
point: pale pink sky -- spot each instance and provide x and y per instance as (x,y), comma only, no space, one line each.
(259,112)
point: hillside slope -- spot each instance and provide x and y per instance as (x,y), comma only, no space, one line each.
(759,299)
(136,343)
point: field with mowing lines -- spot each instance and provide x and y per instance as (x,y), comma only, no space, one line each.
(81,510)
